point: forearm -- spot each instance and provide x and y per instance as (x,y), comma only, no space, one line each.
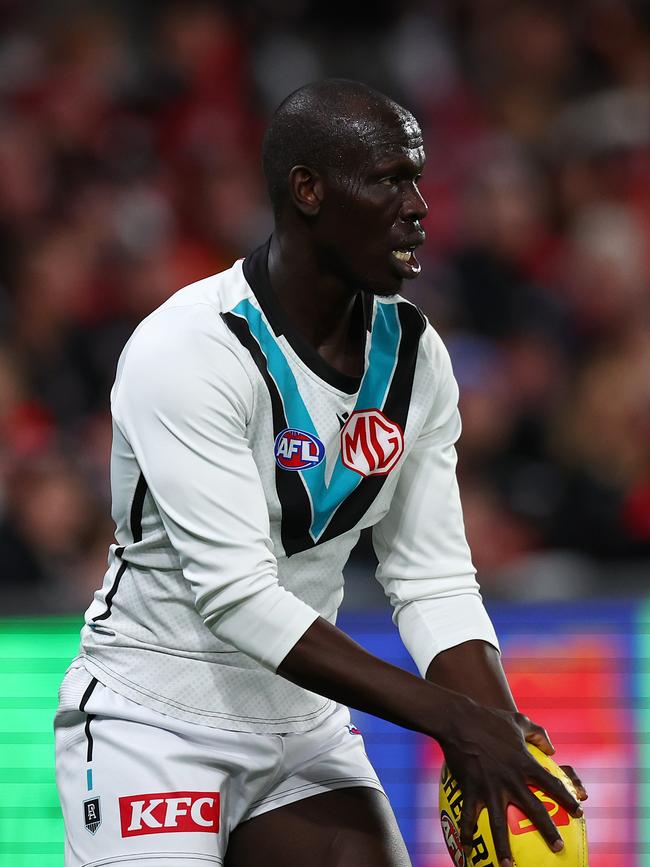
(474,669)
(328,662)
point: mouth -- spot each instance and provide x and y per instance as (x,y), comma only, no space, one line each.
(404,258)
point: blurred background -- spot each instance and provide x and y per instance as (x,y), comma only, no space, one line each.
(129,166)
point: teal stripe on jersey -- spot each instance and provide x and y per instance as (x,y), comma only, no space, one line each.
(384,344)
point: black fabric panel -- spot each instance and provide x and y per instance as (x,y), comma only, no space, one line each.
(111,593)
(88,692)
(136,508)
(89,738)
(136,531)
(294,500)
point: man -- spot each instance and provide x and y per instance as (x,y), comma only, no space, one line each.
(262,418)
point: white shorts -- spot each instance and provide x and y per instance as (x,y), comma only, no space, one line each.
(142,788)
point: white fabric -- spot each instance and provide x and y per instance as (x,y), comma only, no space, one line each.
(208,603)
(424,560)
(168,772)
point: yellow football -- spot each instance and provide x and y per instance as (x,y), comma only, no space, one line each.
(529,849)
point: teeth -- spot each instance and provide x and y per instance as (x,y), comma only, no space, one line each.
(402,255)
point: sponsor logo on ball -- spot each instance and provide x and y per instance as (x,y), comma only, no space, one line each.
(519,823)
(452,839)
(168,812)
(298,450)
(371,444)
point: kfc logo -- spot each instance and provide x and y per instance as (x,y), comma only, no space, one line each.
(166,812)
(371,444)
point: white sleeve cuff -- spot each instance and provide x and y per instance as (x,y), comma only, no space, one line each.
(266,626)
(429,626)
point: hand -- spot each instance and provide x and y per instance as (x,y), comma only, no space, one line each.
(485,750)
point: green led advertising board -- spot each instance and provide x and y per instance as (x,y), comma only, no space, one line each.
(34,653)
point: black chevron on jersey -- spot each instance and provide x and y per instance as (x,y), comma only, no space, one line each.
(396,407)
(293,496)
(297,509)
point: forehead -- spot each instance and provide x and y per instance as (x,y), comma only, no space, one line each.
(394,136)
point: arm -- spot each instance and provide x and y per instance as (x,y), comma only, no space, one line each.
(183,401)
(484,747)
(426,570)
(477,666)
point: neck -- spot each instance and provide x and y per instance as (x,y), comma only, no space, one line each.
(319,304)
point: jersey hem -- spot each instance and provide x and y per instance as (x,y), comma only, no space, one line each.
(254,725)
(155,859)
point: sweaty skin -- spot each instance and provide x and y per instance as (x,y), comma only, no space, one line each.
(336,235)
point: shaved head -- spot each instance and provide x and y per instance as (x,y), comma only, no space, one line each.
(326,125)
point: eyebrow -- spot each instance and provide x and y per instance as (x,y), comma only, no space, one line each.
(398,162)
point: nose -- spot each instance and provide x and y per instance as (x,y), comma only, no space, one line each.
(414,208)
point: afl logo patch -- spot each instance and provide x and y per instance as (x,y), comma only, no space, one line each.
(298,450)
(371,444)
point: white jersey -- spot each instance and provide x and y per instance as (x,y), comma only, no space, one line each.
(243,469)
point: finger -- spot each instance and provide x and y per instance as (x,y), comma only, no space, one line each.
(577,782)
(499,828)
(538,736)
(556,789)
(538,815)
(468,819)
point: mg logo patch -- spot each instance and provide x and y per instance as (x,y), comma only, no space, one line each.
(298,450)
(168,812)
(371,444)
(92,815)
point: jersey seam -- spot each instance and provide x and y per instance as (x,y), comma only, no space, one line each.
(120,859)
(225,342)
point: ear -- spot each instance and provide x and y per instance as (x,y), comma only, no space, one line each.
(307,191)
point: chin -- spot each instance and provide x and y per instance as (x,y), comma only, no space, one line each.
(385,286)
(384,293)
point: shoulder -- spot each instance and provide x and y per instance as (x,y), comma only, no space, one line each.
(435,365)
(189,324)
(184,344)
(416,327)
(402,314)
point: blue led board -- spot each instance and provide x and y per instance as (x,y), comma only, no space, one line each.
(581,670)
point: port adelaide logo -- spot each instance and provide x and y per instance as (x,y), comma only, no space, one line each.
(92,815)
(298,450)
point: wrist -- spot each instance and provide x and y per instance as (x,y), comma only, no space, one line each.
(444,708)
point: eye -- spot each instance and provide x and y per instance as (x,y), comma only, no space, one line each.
(391,181)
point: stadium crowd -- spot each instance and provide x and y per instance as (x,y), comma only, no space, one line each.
(129,166)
